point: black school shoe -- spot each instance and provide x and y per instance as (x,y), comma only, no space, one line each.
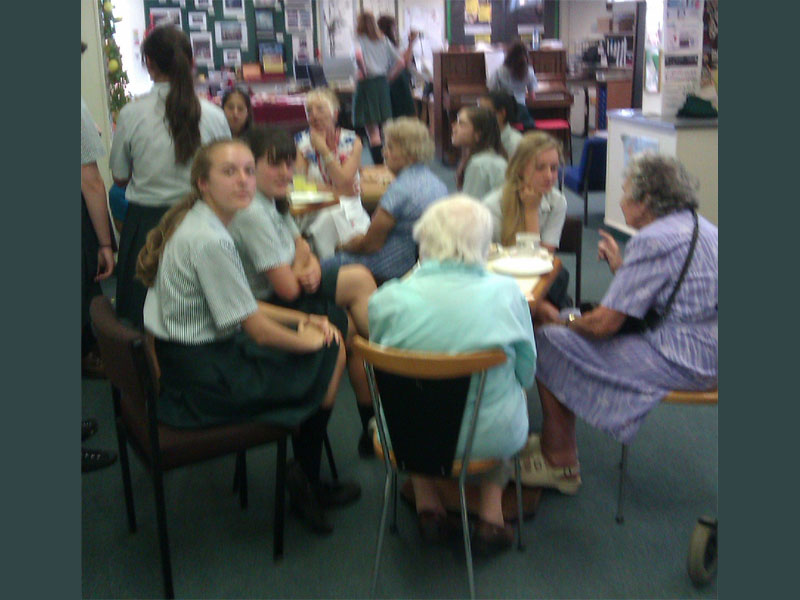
(88,428)
(303,499)
(91,460)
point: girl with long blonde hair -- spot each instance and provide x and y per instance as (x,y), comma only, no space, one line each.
(528,201)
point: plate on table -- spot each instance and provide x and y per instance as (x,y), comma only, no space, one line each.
(521,266)
(308,197)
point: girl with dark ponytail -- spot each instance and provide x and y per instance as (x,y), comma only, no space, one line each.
(156,139)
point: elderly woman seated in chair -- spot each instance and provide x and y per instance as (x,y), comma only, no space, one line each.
(654,331)
(427,311)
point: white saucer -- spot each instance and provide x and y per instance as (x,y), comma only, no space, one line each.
(521,266)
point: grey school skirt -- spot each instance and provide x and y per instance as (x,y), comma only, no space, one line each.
(372,103)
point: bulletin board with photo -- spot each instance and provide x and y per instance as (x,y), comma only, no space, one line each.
(216,28)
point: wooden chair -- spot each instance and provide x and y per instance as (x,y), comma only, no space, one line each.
(572,243)
(132,370)
(674,397)
(421,397)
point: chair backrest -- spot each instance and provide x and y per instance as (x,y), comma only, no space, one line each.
(422,396)
(572,243)
(592,168)
(130,366)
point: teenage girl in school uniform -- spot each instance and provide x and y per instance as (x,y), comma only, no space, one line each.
(225,357)
(155,140)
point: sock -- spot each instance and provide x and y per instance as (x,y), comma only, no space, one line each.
(307,443)
(366,413)
(377,154)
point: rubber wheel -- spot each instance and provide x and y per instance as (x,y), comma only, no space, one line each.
(702,563)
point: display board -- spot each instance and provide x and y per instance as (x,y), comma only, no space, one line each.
(227,33)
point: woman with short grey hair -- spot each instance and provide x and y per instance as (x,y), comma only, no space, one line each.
(427,311)
(387,248)
(654,331)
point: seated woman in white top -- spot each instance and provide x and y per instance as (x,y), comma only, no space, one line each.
(225,357)
(279,263)
(482,167)
(327,154)
(529,202)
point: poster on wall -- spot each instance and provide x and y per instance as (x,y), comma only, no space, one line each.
(337,26)
(202,48)
(166,16)
(232,57)
(478,17)
(233,9)
(265,24)
(652,70)
(302,46)
(231,33)
(271,55)
(297,15)
(197,20)
(636,144)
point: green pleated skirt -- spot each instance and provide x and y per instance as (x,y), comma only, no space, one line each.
(372,103)
(236,380)
(400,93)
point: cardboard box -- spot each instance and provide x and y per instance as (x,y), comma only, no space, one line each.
(604,24)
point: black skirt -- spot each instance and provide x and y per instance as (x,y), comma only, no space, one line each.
(139,220)
(89,246)
(402,100)
(237,380)
(372,103)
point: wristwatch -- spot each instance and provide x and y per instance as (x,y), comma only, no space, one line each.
(570,318)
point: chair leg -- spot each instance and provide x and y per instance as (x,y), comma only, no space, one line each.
(280,501)
(163,538)
(236,474)
(124,462)
(382,528)
(623,464)
(241,468)
(393,526)
(518,479)
(467,545)
(329,454)
(585,208)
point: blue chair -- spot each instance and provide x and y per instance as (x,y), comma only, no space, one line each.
(590,174)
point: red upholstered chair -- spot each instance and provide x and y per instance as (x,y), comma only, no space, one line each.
(561,129)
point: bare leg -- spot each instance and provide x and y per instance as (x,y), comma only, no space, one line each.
(355,368)
(333,386)
(426,495)
(491,503)
(374,134)
(354,286)
(559,446)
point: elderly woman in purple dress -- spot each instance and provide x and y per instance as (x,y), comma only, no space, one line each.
(601,368)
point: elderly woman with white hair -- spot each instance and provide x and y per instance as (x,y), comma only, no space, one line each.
(427,311)
(654,331)
(387,248)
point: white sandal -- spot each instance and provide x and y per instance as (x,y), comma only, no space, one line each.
(536,472)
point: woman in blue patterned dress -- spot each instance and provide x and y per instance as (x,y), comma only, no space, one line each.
(387,248)
(589,367)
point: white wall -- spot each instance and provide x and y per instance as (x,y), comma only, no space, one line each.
(129,34)
(93,84)
(578,20)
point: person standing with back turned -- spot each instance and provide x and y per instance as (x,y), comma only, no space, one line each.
(155,141)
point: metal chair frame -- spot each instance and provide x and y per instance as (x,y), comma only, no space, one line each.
(674,397)
(429,366)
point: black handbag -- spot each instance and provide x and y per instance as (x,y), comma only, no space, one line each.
(652,318)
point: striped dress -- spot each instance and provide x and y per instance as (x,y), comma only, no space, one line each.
(613,383)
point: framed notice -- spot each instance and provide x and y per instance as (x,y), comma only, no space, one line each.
(271,55)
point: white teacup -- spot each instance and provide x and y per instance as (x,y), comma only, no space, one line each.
(528,243)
